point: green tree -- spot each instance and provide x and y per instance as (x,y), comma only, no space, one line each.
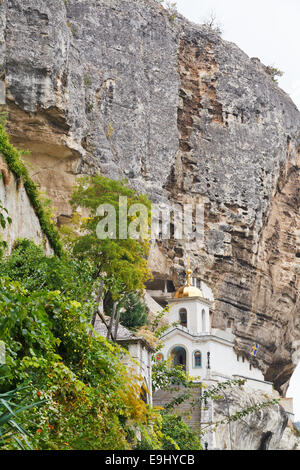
(119,260)
(178,435)
(274,72)
(28,264)
(93,401)
(133,312)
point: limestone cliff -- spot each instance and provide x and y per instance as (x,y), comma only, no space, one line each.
(262,430)
(24,221)
(266,429)
(118,87)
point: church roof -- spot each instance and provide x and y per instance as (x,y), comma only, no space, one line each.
(188,290)
(124,335)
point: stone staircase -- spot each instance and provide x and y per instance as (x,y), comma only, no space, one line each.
(191,415)
(197,417)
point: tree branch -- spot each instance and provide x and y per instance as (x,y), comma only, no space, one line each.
(98,300)
(109,329)
(117,322)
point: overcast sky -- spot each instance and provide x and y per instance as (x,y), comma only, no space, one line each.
(269,30)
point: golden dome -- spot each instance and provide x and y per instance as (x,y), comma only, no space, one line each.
(188,290)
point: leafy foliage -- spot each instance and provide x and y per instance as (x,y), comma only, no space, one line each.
(133,311)
(178,435)
(35,271)
(13,403)
(93,401)
(122,260)
(119,259)
(4,219)
(166,376)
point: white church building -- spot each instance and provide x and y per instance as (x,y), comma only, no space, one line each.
(207,355)
(204,352)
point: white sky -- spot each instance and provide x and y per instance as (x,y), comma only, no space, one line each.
(269,30)
(294,391)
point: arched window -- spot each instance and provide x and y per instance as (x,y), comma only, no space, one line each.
(197,360)
(179,356)
(183,317)
(203,321)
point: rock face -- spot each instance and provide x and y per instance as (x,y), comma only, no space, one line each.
(119,87)
(290,439)
(262,430)
(25,223)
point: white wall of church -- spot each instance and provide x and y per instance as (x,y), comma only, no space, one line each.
(224,363)
(197,318)
(198,336)
(223,358)
(141,364)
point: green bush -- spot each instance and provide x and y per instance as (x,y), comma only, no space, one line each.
(92,400)
(178,435)
(174,434)
(72,277)
(133,311)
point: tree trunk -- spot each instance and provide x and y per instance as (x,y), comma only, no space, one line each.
(109,331)
(117,321)
(98,300)
(99,310)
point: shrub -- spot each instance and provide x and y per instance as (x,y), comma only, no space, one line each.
(178,435)
(92,399)
(40,272)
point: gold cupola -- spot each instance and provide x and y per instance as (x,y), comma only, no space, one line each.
(188,290)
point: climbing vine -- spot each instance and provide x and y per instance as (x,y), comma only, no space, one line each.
(13,159)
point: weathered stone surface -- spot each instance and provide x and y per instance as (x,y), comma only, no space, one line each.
(261,430)
(290,439)
(264,429)
(116,86)
(25,223)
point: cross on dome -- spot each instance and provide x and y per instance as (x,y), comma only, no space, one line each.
(188,290)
